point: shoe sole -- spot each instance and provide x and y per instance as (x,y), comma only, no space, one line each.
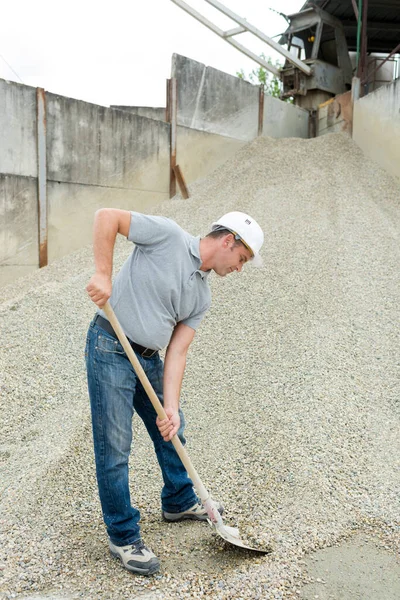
(150,570)
(189,517)
(185,518)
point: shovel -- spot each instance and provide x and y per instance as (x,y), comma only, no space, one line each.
(230,534)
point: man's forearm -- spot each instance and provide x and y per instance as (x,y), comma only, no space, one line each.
(174,368)
(107,223)
(104,235)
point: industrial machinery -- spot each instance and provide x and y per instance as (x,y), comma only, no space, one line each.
(320,37)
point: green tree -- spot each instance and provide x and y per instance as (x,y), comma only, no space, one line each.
(260,76)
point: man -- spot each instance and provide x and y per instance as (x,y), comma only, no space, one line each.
(160,297)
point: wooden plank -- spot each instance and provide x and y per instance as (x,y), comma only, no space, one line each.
(181,182)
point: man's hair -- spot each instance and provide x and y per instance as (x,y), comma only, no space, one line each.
(217,233)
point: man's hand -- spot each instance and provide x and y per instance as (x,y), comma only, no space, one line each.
(99,289)
(169,427)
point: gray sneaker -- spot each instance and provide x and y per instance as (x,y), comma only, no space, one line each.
(197,512)
(136,558)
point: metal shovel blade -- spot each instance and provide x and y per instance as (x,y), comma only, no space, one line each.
(232,535)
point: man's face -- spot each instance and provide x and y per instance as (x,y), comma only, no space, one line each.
(231,256)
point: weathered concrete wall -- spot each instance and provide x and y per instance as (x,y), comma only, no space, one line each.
(18,186)
(99,157)
(18,129)
(18,217)
(282,119)
(335,115)
(96,157)
(157,113)
(93,145)
(72,207)
(376,126)
(199,152)
(214,101)
(18,226)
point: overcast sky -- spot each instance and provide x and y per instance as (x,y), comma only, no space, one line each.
(119,51)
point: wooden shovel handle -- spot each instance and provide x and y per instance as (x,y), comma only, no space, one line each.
(183,455)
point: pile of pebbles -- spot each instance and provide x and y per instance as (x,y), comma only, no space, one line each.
(291,393)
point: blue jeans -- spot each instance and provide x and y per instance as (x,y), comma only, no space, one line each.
(115,394)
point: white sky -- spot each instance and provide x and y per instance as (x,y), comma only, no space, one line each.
(119,51)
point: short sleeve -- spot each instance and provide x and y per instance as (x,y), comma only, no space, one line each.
(194,320)
(148,230)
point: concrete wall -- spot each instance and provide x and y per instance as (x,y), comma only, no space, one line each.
(376,126)
(96,157)
(18,152)
(99,157)
(18,218)
(18,186)
(199,152)
(157,113)
(282,119)
(213,101)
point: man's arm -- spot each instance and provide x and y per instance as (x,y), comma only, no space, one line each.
(174,367)
(107,223)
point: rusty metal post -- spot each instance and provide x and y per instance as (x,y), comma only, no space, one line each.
(261,110)
(42,174)
(171,114)
(364,43)
(313,123)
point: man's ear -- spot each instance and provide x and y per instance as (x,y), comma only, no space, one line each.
(228,241)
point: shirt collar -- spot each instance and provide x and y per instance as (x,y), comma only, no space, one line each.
(194,247)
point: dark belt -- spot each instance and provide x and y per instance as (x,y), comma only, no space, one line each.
(106,325)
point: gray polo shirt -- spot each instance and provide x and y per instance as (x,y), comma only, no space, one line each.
(160,284)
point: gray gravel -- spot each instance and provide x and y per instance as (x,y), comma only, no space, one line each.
(291,392)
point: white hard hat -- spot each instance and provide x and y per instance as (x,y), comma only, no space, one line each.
(246,229)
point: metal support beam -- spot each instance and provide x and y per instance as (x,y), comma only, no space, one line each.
(172,110)
(227,36)
(191,11)
(267,40)
(355,8)
(317,41)
(42,174)
(373,25)
(373,45)
(234,31)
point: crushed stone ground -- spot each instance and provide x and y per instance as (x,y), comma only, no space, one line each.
(291,393)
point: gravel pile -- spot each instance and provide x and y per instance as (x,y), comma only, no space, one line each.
(291,393)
